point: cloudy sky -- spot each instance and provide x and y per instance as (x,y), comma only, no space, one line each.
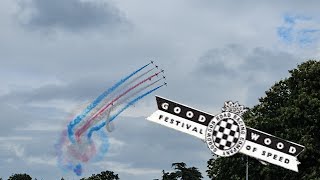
(58,55)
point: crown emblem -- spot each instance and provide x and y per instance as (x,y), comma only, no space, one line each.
(234,107)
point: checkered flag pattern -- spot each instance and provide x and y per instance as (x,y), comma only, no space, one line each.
(226,134)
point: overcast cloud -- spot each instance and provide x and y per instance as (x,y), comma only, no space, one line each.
(71,15)
(56,56)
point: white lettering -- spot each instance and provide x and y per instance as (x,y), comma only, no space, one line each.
(177,110)
(189,114)
(292,150)
(267,141)
(254,136)
(280,145)
(165,106)
(202,118)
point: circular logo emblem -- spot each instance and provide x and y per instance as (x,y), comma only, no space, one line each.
(226,134)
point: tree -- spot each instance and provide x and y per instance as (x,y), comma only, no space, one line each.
(290,110)
(105,175)
(182,172)
(20,177)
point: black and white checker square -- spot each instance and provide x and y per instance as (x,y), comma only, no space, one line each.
(226,134)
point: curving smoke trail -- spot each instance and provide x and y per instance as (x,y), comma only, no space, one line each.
(106,114)
(87,125)
(109,125)
(97,128)
(73,153)
(104,147)
(125,85)
(111,96)
(70,157)
(74,122)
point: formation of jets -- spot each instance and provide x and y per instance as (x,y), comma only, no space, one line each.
(162,71)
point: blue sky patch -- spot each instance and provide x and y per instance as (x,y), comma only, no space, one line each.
(300,30)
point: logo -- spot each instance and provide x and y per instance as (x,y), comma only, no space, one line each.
(226,133)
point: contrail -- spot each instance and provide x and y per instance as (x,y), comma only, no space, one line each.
(106,114)
(136,78)
(110,97)
(109,125)
(97,101)
(86,126)
(104,147)
(73,153)
(97,128)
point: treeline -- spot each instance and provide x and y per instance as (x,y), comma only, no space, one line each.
(181,171)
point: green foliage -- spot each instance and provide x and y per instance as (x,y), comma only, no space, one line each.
(182,172)
(105,175)
(20,177)
(290,110)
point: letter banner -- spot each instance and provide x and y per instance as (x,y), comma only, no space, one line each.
(274,150)
(226,133)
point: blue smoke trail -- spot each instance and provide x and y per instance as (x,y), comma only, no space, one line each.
(124,86)
(66,164)
(78,119)
(97,128)
(78,169)
(108,123)
(104,147)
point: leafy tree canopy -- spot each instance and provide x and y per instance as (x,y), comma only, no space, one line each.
(105,175)
(182,172)
(20,177)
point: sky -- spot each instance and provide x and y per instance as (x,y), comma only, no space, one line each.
(58,55)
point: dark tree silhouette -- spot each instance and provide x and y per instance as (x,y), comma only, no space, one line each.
(182,172)
(20,177)
(105,175)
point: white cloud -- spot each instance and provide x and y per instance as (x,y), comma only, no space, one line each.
(40,127)
(32,160)
(116,143)
(62,105)
(15,138)
(72,15)
(141,109)
(19,151)
(16,149)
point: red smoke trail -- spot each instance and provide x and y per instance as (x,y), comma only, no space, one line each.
(87,125)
